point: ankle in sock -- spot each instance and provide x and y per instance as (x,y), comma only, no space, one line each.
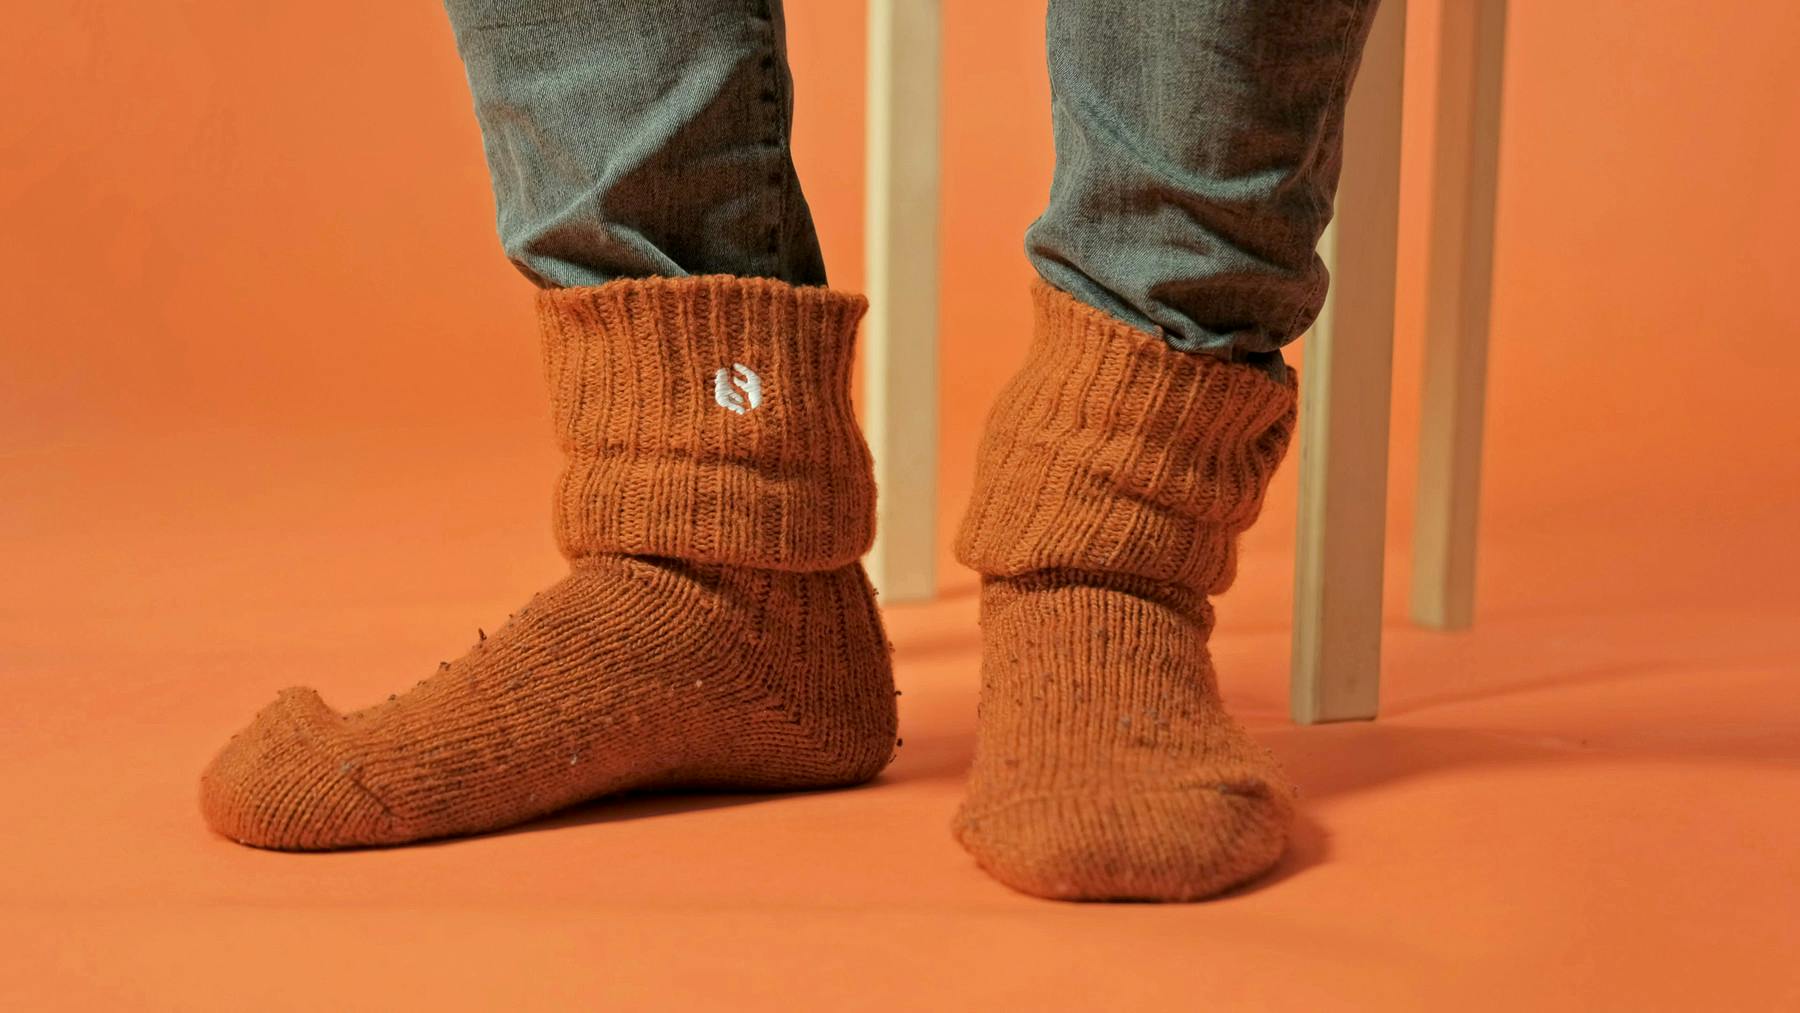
(715,630)
(1113,480)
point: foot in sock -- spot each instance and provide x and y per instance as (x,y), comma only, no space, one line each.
(1113,481)
(1107,767)
(630,673)
(714,630)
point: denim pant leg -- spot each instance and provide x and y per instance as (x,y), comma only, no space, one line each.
(1198,145)
(631,139)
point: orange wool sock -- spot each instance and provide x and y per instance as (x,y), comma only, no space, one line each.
(715,629)
(1114,478)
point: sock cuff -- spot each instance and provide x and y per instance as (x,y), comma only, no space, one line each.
(708,419)
(1110,451)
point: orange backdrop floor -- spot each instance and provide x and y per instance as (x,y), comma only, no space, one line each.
(1587,802)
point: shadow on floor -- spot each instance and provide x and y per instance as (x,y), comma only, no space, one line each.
(922,758)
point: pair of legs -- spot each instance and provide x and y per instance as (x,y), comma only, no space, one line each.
(715,629)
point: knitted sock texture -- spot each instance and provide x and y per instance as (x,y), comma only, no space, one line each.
(657,464)
(714,631)
(1113,480)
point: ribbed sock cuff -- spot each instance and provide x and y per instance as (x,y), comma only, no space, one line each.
(708,419)
(1110,451)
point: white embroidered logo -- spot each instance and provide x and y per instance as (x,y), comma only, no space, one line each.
(726,384)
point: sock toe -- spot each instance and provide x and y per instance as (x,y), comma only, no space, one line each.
(289,781)
(1177,844)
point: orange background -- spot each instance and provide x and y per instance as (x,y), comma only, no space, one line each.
(270,414)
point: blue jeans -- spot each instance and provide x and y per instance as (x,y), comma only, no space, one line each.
(1198,144)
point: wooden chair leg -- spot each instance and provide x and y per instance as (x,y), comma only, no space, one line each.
(1458,298)
(900,376)
(1344,406)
